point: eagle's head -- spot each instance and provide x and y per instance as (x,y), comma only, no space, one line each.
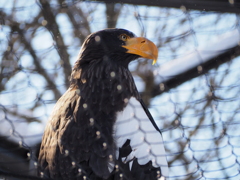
(119,46)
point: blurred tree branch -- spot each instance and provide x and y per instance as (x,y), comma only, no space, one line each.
(53,28)
(78,19)
(112,13)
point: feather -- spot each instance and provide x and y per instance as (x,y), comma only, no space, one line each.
(147,144)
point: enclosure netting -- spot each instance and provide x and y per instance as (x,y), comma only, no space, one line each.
(199,118)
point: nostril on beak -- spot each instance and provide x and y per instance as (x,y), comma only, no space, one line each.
(143,42)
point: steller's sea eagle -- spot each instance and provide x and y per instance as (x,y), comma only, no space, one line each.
(100,128)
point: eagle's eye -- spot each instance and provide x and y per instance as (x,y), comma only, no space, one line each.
(124,37)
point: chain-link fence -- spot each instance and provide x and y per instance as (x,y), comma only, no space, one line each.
(192,92)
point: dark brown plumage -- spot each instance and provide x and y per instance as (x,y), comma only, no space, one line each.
(80,140)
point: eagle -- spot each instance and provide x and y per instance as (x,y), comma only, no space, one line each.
(100,129)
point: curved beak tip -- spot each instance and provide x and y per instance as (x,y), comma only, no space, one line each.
(154,61)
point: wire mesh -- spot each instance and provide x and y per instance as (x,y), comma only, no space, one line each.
(198,117)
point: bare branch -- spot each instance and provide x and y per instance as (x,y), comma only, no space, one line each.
(112,13)
(53,28)
(41,70)
(78,19)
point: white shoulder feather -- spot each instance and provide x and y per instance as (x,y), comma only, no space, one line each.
(146,142)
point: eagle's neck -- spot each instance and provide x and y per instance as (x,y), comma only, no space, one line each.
(105,85)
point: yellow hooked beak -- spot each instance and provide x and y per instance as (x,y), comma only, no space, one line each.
(142,47)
